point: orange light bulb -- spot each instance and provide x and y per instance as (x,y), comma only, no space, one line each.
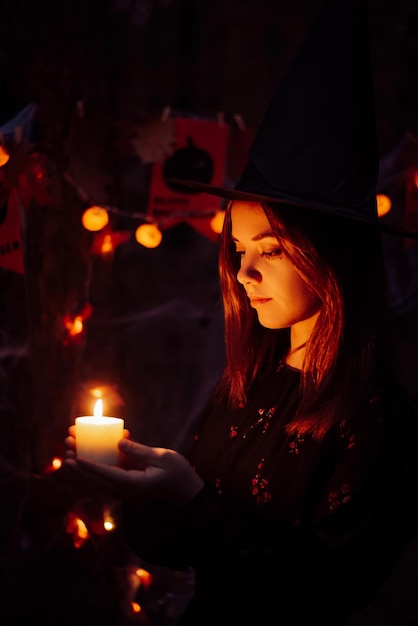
(95,218)
(148,235)
(384,204)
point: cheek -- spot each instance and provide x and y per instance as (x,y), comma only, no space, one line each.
(294,293)
(307,299)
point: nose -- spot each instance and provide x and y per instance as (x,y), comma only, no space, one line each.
(247,272)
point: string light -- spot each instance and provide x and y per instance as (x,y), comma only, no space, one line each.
(4,156)
(148,235)
(384,204)
(108,522)
(74,325)
(56,463)
(144,576)
(107,245)
(95,218)
(76,527)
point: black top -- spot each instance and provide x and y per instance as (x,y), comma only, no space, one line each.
(289,526)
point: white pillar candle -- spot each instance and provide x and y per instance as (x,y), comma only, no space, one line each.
(96,436)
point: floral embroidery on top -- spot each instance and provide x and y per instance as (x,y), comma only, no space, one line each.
(264,419)
(339,497)
(259,486)
(295,442)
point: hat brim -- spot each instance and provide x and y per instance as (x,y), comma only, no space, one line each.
(339,211)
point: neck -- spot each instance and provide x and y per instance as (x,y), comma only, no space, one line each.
(295,356)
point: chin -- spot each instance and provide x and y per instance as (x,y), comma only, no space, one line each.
(271,325)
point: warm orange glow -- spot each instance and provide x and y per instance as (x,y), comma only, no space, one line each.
(4,156)
(217,222)
(95,218)
(83,533)
(107,245)
(136,607)
(75,326)
(56,463)
(108,522)
(416,179)
(144,577)
(98,408)
(77,528)
(384,204)
(148,235)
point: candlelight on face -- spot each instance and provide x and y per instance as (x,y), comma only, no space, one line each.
(97,436)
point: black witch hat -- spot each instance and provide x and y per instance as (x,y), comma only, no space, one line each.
(316,146)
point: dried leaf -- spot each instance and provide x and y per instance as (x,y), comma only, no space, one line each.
(155,141)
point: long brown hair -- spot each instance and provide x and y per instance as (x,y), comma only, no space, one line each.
(340,260)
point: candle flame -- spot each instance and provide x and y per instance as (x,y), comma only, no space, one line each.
(98,408)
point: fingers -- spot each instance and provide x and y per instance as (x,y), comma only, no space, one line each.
(140,456)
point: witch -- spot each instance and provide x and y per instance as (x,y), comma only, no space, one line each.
(298,492)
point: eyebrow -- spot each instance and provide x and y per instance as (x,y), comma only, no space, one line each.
(263,235)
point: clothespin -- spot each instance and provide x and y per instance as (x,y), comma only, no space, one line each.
(239,121)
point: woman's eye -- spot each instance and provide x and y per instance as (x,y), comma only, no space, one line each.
(272,254)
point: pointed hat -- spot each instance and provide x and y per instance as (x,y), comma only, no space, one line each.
(316,146)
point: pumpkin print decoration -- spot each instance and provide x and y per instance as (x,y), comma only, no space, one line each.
(188,163)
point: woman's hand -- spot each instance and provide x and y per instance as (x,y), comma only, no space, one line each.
(146,473)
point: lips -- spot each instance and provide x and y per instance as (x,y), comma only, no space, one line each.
(259,301)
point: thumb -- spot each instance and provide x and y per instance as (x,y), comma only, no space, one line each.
(137,454)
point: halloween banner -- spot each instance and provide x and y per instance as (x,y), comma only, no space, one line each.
(11,255)
(199,154)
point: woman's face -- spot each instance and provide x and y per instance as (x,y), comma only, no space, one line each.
(273,285)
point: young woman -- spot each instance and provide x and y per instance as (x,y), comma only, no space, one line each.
(298,493)
(297,496)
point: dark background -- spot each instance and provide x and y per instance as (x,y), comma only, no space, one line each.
(155,335)
(154,339)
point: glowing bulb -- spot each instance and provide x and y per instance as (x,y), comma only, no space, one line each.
(144,577)
(4,156)
(56,463)
(75,326)
(82,531)
(107,245)
(108,522)
(136,607)
(217,222)
(95,218)
(384,204)
(148,235)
